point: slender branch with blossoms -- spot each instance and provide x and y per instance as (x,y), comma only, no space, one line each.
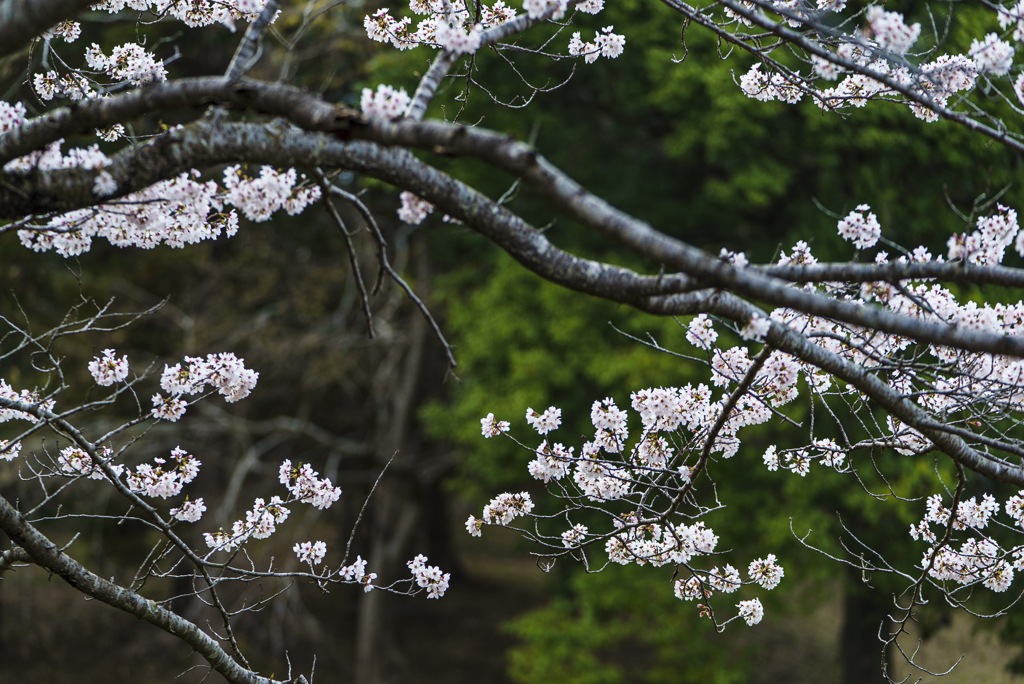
(882,347)
(156,491)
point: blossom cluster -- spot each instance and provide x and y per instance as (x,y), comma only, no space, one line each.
(305,485)
(164,480)
(193,13)
(260,522)
(387,102)
(174,212)
(24,397)
(429,577)
(310,552)
(881,49)
(356,572)
(108,369)
(451,26)
(223,372)
(75,462)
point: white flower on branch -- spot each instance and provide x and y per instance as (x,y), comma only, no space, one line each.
(108,369)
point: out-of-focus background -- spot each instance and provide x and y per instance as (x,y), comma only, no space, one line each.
(675,143)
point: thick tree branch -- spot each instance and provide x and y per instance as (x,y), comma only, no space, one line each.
(214,141)
(11,556)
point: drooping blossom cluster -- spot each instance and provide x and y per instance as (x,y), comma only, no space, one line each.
(413,209)
(429,577)
(129,62)
(979,559)
(223,372)
(545,422)
(448,25)
(611,468)
(189,511)
(174,212)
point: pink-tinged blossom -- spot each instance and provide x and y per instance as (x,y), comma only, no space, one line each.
(1013,16)
(771,459)
(611,44)
(537,8)
(25,397)
(73,461)
(589,51)
(504,508)
(68,30)
(751,611)
(1015,507)
(861,227)
(104,185)
(163,481)
(310,552)
(756,328)
(545,422)
(108,369)
(428,577)
(474,526)
(387,102)
(128,62)
(700,332)
(890,31)
(737,259)
(47,85)
(490,427)
(552,463)
(169,409)
(757,85)
(766,572)
(457,39)
(574,536)
(825,69)
(190,511)
(993,56)
(987,245)
(306,486)
(976,515)
(357,573)
(590,6)
(111,134)
(690,589)
(499,13)
(9,451)
(726,581)
(413,209)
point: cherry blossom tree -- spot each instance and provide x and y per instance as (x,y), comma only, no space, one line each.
(891,352)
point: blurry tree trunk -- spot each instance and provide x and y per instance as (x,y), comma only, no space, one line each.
(865,611)
(396,510)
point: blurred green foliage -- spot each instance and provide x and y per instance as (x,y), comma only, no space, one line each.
(679,145)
